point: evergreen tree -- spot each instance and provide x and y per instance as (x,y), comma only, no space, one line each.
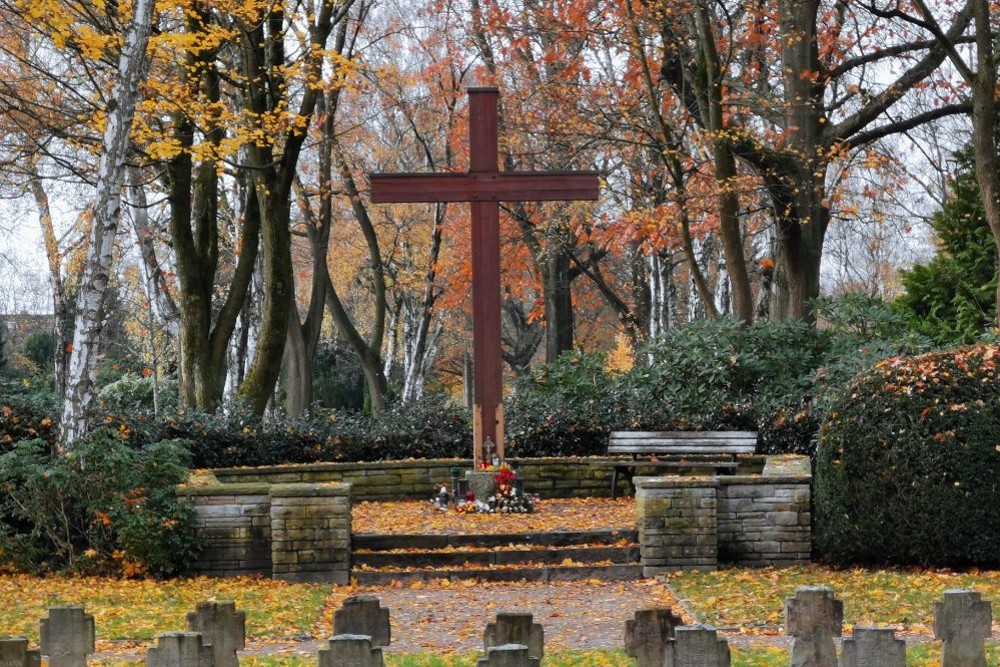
(951,299)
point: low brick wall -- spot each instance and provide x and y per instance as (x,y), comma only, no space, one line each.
(296,532)
(571,477)
(749,520)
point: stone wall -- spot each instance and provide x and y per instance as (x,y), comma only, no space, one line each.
(572,477)
(698,522)
(297,532)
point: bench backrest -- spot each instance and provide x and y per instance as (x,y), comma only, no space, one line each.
(682,442)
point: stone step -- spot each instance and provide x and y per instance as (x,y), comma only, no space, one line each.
(381,542)
(498,556)
(532,573)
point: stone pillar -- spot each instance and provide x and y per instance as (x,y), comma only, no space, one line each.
(697,646)
(648,634)
(67,636)
(350,651)
(364,615)
(14,652)
(311,532)
(514,628)
(180,649)
(963,620)
(508,655)
(814,617)
(875,647)
(221,627)
(677,523)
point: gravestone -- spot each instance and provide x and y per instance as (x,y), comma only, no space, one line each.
(508,655)
(873,647)
(648,634)
(180,649)
(350,651)
(963,621)
(363,615)
(514,628)
(14,652)
(221,627)
(697,646)
(67,636)
(814,617)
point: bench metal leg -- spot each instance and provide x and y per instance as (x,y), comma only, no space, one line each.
(614,482)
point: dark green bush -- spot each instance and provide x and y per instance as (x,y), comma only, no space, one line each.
(25,418)
(562,409)
(908,466)
(103,507)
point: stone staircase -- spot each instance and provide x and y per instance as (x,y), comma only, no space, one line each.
(611,555)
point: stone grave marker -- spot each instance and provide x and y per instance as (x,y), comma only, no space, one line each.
(508,655)
(814,617)
(67,636)
(222,627)
(697,646)
(14,652)
(648,634)
(963,621)
(515,628)
(350,651)
(363,615)
(180,649)
(873,647)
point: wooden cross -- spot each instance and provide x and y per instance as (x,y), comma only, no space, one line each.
(485,186)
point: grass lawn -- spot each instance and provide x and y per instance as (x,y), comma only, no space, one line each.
(143,609)
(751,598)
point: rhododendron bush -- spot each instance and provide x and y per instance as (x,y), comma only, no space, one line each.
(908,465)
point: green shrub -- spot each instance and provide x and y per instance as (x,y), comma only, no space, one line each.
(908,466)
(22,418)
(103,507)
(134,393)
(562,409)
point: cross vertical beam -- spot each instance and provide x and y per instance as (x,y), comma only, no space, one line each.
(487,409)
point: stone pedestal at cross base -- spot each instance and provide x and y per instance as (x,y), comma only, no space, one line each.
(648,634)
(963,621)
(515,628)
(180,649)
(508,655)
(697,646)
(350,651)
(482,484)
(14,652)
(66,636)
(363,615)
(221,627)
(873,647)
(814,617)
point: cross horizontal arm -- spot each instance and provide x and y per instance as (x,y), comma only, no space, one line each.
(488,186)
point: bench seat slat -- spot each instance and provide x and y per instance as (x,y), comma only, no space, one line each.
(707,448)
(683,435)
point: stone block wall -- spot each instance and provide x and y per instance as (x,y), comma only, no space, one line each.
(311,532)
(234,528)
(698,522)
(297,532)
(570,477)
(677,519)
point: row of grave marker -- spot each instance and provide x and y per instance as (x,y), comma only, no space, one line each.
(654,637)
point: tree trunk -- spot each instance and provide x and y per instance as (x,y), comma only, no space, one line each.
(61,332)
(132,66)
(558,302)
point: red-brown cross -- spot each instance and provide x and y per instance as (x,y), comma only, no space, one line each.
(485,186)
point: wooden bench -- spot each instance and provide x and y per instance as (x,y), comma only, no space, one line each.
(714,449)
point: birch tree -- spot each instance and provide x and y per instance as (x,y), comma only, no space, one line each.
(132,66)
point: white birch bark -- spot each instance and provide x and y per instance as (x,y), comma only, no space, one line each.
(162,304)
(132,66)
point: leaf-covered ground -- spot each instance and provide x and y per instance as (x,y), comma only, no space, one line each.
(754,598)
(420,517)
